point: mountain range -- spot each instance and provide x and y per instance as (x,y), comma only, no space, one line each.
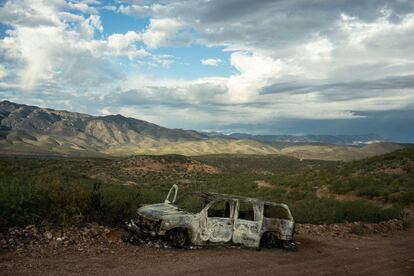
(32,130)
(343,140)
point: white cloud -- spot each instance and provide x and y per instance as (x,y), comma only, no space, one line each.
(3,72)
(163,32)
(62,47)
(29,13)
(256,72)
(163,60)
(319,50)
(83,6)
(88,27)
(379,36)
(306,65)
(211,61)
(105,111)
(124,45)
(136,10)
(110,8)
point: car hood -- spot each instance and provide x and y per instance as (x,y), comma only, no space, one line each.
(160,211)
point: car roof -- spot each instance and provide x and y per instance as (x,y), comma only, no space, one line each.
(217,196)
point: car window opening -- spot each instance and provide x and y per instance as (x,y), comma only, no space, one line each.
(278,212)
(246,211)
(220,209)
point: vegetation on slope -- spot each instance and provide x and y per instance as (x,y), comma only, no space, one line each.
(66,191)
(388,178)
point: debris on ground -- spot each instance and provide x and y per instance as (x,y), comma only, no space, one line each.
(78,238)
(346,229)
(91,237)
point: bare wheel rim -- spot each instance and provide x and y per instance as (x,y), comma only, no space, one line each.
(269,241)
(178,238)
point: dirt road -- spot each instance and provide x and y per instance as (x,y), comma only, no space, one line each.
(357,255)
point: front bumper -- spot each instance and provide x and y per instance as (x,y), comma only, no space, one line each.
(145,227)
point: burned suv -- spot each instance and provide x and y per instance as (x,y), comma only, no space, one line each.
(212,218)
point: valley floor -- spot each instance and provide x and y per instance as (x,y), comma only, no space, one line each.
(386,254)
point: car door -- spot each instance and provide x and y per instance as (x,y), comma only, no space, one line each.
(247,223)
(220,221)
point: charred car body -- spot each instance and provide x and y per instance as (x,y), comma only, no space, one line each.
(220,219)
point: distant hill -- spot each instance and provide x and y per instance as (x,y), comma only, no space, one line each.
(286,140)
(334,152)
(105,130)
(31,130)
(38,130)
(196,147)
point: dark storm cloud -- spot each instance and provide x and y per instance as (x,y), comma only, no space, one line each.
(391,125)
(217,11)
(273,23)
(362,87)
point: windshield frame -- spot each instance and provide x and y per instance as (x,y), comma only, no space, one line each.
(194,195)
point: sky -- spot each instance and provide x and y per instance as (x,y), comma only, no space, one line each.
(262,67)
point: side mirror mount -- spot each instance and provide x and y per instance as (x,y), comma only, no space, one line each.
(168,198)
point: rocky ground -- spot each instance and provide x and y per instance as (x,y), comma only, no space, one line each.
(341,249)
(53,240)
(345,230)
(84,238)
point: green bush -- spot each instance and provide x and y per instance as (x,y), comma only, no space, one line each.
(60,200)
(327,210)
(62,191)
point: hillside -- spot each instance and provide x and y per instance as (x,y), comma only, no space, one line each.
(387,178)
(211,146)
(333,152)
(31,130)
(108,190)
(341,140)
(97,130)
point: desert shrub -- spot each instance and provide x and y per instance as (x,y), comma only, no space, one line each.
(328,210)
(359,229)
(61,191)
(118,204)
(19,203)
(406,197)
(62,199)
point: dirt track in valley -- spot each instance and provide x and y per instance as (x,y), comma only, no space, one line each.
(392,254)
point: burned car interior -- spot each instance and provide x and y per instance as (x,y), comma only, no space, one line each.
(219,209)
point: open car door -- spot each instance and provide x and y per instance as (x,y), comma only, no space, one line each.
(170,198)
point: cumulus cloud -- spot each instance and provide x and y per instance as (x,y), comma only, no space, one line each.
(125,45)
(68,53)
(211,61)
(136,10)
(255,72)
(331,61)
(88,27)
(319,69)
(164,32)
